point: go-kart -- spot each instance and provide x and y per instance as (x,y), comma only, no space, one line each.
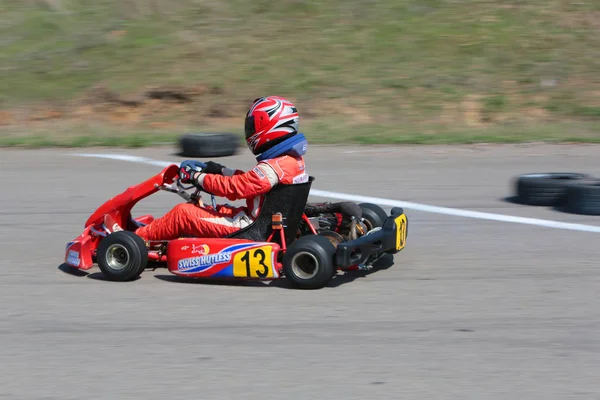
(305,243)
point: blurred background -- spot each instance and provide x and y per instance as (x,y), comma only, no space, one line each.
(137,72)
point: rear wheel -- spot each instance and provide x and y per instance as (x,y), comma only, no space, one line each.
(122,256)
(335,239)
(308,262)
(373,214)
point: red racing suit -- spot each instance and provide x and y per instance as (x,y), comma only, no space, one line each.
(206,221)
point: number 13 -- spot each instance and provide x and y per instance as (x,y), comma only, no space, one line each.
(256,264)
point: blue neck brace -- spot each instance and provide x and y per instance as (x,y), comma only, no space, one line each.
(294,146)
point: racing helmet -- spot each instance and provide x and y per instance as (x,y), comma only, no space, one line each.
(270,121)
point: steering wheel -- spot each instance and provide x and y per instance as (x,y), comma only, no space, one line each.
(181,190)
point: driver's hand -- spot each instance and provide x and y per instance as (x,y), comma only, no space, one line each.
(213,168)
(188,169)
(186,174)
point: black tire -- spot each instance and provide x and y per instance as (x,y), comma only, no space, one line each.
(308,262)
(583,198)
(335,239)
(374,214)
(200,145)
(122,256)
(545,189)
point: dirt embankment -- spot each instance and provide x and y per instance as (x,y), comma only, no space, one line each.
(159,107)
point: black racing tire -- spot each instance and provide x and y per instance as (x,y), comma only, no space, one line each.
(335,239)
(308,262)
(201,145)
(122,256)
(374,214)
(545,189)
(583,198)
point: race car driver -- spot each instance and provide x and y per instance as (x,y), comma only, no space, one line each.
(271,130)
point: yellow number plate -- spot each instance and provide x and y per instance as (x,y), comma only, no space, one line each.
(401,233)
(254,263)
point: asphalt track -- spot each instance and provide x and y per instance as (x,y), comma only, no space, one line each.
(471,309)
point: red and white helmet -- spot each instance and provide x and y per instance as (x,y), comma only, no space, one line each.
(270,121)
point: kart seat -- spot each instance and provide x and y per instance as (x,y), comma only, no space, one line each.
(289,200)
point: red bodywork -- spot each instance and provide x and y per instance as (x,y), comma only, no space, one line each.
(81,251)
(120,206)
(223,258)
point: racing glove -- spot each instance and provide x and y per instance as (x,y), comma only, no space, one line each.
(213,168)
(188,169)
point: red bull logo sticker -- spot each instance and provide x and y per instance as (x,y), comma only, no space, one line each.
(200,249)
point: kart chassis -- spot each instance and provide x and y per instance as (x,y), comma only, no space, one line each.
(254,252)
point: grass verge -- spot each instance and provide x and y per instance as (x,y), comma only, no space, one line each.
(317,133)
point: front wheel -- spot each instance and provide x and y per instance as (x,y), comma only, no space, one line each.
(122,256)
(308,262)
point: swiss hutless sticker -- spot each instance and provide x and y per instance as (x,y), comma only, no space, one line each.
(203,261)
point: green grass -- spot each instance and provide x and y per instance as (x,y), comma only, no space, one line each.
(133,140)
(322,132)
(395,71)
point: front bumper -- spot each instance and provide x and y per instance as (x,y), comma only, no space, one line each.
(391,238)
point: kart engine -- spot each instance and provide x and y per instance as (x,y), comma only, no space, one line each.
(337,221)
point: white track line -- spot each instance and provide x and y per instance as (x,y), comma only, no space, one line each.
(393,203)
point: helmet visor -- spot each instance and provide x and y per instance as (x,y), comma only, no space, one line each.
(249,127)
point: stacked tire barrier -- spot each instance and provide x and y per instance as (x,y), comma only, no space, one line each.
(576,193)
